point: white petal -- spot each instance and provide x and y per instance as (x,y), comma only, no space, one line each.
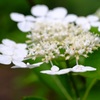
(20,64)
(17,17)
(6,50)
(40,19)
(70,18)
(29,18)
(58,12)
(39,10)
(95,24)
(50,13)
(21,45)
(1,46)
(88,68)
(19,54)
(92,18)
(81,21)
(54,68)
(34,65)
(8,42)
(78,68)
(48,72)
(64,71)
(17,67)
(86,26)
(25,26)
(5,59)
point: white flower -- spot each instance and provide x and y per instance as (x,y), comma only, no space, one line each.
(81,68)
(39,10)
(12,52)
(55,71)
(29,65)
(25,23)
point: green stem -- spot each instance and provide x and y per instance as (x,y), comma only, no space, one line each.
(88,89)
(62,89)
(73,83)
(74,86)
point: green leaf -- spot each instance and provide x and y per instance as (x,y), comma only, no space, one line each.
(94,61)
(95,30)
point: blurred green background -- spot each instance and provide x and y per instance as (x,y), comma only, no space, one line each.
(16,83)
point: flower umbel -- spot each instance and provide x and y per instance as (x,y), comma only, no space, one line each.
(53,34)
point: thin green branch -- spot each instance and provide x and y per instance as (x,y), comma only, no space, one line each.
(73,83)
(88,89)
(74,86)
(62,89)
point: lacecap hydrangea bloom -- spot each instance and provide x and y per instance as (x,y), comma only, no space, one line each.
(51,34)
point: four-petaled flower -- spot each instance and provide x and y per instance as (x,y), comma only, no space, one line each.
(25,23)
(12,52)
(81,68)
(55,71)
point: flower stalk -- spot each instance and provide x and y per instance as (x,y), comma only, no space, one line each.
(73,82)
(88,89)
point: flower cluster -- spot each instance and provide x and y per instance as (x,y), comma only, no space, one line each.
(48,40)
(52,40)
(53,34)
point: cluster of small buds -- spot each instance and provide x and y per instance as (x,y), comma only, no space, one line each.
(48,39)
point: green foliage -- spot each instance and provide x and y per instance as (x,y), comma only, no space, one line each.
(94,61)
(95,30)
